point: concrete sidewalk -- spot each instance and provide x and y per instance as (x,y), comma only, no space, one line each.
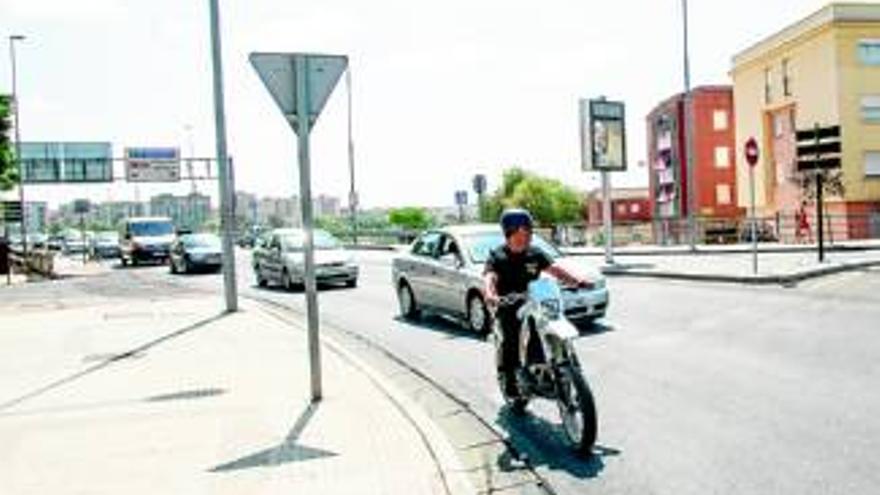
(783,268)
(171,396)
(685,250)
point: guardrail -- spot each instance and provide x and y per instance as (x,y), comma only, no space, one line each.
(40,262)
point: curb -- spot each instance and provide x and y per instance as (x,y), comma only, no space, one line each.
(449,467)
(723,251)
(784,280)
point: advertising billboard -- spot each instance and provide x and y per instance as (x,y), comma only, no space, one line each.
(603,136)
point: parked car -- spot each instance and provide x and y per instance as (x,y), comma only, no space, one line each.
(278,259)
(38,240)
(145,239)
(443,272)
(55,242)
(73,242)
(104,245)
(765,233)
(196,252)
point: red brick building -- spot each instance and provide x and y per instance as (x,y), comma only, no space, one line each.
(714,165)
(628,205)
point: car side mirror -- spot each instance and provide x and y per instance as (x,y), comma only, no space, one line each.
(452,260)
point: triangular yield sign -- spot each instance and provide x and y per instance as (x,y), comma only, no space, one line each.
(278,73)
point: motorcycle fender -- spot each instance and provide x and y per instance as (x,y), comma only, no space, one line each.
(563,329)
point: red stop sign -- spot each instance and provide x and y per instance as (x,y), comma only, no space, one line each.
(752,152)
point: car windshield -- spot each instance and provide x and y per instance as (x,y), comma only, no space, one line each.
(142,229)
(323,241)
(107,237)
(482,243)
(201,241)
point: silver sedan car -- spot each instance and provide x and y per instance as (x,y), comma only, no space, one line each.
(443,272)
(278,259)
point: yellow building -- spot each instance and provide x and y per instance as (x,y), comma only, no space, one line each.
(824,69)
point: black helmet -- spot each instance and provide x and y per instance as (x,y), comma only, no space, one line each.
(514,218)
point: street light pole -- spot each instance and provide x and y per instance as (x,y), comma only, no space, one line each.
(689,138)
(352,194)
(223,165)
(12,40)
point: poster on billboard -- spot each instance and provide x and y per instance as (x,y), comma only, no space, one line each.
(603,136)
(152,164)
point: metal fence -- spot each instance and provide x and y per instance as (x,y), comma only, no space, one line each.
(781,228)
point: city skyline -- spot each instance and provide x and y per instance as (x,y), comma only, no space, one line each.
(456,90)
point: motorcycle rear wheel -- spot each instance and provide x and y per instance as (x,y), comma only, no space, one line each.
(578,413)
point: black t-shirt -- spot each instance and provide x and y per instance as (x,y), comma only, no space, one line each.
(515,271)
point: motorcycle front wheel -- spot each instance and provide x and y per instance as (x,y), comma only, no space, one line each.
(577,409)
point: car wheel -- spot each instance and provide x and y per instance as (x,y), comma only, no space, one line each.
(261,282)
(407,301)
(123,261)
(286,281)
(351,284)
(478,317)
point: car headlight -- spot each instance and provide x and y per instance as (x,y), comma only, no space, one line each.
(551,308)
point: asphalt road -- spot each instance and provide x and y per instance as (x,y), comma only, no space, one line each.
(701,388)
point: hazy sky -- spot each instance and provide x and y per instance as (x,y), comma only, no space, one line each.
(442,90)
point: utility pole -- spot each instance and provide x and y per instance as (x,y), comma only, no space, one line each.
(18,161)
(689,138)
(352,194)
(223,164)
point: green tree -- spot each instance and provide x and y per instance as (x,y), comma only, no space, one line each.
(8,168)
(549,200)
(410,218)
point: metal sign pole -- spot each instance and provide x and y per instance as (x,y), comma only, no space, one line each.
(230,289)
(606,216)
(819,216)
(352,195)
(754,227)
(305,188)
(82,233)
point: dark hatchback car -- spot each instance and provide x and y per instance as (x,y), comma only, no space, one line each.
(196,252)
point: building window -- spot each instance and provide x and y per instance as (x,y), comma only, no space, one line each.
(869,51)
(871,109)
(722,157)
(786,78)
(621,209)
(719,120)
(635,208)
(779,124)
(768,85)
(722,194)
(872,163)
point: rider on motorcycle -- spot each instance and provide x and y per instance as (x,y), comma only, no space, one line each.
(509,269)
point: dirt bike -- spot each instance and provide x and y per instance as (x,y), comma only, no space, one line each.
(550,367)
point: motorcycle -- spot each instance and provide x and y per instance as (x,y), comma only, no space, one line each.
(549,365)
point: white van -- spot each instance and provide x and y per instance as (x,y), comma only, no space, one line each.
(146,239)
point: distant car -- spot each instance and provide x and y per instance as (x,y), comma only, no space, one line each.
(104,245)
(73,242)
(765,233)
(38,240)
(146,239)
(278,259)
(443,272)
(196,252)
(55,242)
